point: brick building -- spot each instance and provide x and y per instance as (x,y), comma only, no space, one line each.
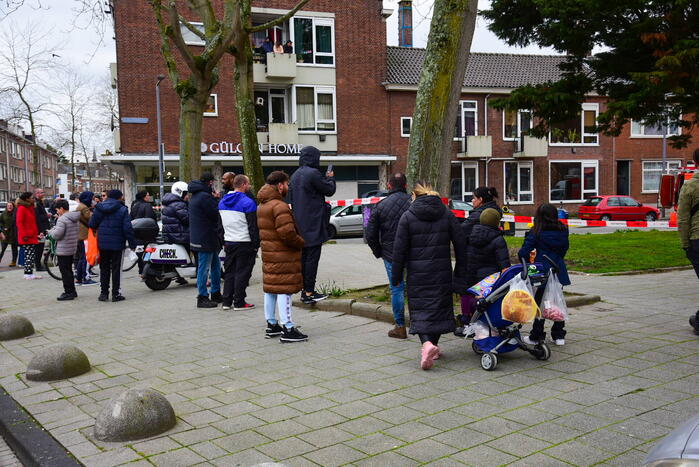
(346,92)
(17,172)
(94,176)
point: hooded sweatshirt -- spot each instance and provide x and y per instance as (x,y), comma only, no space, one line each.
(66,233)
(307,191)
(239,218)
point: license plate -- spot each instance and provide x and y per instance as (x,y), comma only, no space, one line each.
(146,257)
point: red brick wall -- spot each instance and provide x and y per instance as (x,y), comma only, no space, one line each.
(362,103)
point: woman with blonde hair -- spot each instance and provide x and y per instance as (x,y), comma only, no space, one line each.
(423,247)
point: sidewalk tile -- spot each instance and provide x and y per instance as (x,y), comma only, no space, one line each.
(336,455)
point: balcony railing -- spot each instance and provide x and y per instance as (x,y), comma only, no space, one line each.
(529,146)
(477,147)
(281,66)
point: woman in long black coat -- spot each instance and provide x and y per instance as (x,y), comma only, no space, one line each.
(423,247)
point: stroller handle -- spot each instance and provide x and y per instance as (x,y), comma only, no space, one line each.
(554,267)
(525,271)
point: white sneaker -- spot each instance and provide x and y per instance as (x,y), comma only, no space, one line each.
(32,277)
(559,341)
(528,341)
(226,307)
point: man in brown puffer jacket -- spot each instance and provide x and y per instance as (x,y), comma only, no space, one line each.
(281,257)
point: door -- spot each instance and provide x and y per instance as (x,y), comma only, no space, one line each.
(277,108)
(632,209)
(623,178)
(350,220)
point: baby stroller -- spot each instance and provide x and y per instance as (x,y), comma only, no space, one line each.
(504,336)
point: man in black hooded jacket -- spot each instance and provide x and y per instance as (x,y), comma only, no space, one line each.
(307,191)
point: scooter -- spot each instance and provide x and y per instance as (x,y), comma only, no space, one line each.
(166,262)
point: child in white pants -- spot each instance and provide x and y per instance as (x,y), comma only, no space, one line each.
(287,330)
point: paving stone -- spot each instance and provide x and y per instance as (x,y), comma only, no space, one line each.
(385,459)
(518,444)
(412,431)
(375,443)
(610,441)
(538,460)
(320,419)
(281,430)
(181,457)
(326,437)
(483,455)
(364,425)
(208,450)
(241,441)
(496,426)
(582,422)
(336,455)
(156,446)
(195,436)
(576,453)
(286,448)
(552,433)
(247,457)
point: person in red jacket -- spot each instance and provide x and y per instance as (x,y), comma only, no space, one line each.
(27,232)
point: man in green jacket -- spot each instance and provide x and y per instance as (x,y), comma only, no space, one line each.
(688,216)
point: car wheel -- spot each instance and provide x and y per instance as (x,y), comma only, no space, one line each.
(651,217)
(332,231)
(606,217)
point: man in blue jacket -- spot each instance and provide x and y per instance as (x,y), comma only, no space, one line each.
(307,191)
(113,224)
(205,239)
(242,240)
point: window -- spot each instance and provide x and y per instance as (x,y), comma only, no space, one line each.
(578,131)
(515,123)
(518,182)
(466,120)
(573,181)
(270,107)
(189,37)
(314,40)
(641,130)
(653,171)
(314,109)
(469,177)
(3,172)
(211,109)
(405,124)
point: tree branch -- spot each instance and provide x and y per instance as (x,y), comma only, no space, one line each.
(279,20)
(175,33)
(165,41)
(193,29)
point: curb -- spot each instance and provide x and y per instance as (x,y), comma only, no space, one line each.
(384,313)
(31,443)
(631,273)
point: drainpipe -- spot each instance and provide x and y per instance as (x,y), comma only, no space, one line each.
(485,133)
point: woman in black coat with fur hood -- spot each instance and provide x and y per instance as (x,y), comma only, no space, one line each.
(422,246)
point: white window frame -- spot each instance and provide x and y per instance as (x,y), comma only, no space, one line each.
(316,90)
(470,165)
(402,133)
(642,126)
(519,164)
(316,21)
(519,124)
(3,172)
(670,163)
(589,106)
(215,112)
(186,32)
(583,164)
(461,114)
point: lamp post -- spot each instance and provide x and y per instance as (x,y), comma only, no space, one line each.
(161,152)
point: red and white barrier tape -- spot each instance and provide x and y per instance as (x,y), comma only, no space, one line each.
(527,219)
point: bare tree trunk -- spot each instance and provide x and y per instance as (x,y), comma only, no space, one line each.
(191,119)
(441,79)
(245,110)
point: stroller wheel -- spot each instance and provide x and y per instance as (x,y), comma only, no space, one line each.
(541,351)
(475,348)
(489,361)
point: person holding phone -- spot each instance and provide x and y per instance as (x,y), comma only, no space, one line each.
(307,192)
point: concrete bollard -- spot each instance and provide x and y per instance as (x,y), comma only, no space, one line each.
(14,327)
(61,361)
(134,414)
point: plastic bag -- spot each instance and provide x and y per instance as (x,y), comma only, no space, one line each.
(553,304)
(130,256)
(480,330)
(518,305)
(92,252)
(484,287)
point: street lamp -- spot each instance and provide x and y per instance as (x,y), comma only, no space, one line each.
(161,149)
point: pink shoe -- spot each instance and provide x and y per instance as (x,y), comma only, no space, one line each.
(429,351)
(439,353)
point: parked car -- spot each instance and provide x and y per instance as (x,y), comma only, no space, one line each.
(678,449)
(458,205)
(346,220)
(616,208)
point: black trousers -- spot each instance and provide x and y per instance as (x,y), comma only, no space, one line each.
(537,333)
(693,255)
(434,338)
(310,256)
(13,247)
(240,259)
(65,265)
(110,265)
(39,256)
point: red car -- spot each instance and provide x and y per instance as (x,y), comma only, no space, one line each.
(616,208)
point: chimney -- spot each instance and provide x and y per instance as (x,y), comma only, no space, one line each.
(405,23)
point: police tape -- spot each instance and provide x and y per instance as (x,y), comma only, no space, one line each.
(527,219)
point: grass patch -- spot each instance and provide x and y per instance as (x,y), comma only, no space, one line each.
(624,250)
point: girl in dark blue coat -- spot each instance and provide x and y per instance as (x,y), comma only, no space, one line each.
(549,237)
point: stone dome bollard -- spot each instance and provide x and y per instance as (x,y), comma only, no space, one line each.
(56,362)
(14,327)
(134,414)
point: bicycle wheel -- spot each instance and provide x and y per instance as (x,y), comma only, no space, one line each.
(128,268)
(51,264)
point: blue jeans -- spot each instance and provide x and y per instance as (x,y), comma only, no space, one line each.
(397,296)
(283,303)
(208,261)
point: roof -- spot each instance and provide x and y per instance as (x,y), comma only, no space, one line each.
(484,70)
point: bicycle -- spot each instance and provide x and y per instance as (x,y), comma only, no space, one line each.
(51,260)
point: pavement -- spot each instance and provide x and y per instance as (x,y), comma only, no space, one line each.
(350,395)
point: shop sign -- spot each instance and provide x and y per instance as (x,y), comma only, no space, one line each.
(224,147)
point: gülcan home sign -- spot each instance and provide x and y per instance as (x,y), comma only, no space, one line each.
(225,147)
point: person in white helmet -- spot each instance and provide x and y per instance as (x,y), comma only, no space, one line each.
(175,217)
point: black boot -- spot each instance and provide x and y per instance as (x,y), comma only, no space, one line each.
(273,330)
(292,335)
(204,302)
(694,322)
(217,297)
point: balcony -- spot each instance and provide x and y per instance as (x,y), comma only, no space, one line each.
(477,147)
(283,133)
(281,66)
(528,146)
